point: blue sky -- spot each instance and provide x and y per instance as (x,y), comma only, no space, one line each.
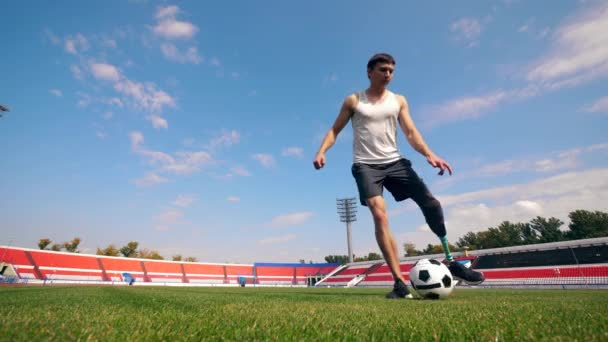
(191,127)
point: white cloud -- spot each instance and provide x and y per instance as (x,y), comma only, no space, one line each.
(108,115)
(52,37)
(597,147)
(468,30)
(167,218)
(136,139)
(267,160)
(56,92)
(184,200)
(215,61)
(156,157)
(240,171)
(180,163)
(556,186)
(84,100)
(549,163)
(292,152)
(167,12)
(76,44)
(550,197)
(233,199)
(464,108)
(172,53)
(150,179)
(188,162)
(77,72)
(106,72)
(145,96)
(291,219)
(158,122)
(276,239)
(579,53)
(599,106)
(170,28)
(109,43)
(226,138)
(114,101)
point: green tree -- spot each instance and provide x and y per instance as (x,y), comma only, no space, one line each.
(56,247)
(191,259)
(111,250)
(149,254)
(410,249)
(72,246)
(177,257)
(130,249)
(368,257)
(586,224)
(471,240)
(438,249)
(43,243)
(548,230)
(339,259)
(374,256)
(506,234)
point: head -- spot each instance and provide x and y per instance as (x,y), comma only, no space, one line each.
(380,68)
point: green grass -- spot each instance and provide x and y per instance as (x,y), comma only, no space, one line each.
(172,313)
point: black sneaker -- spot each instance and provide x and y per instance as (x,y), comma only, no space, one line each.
(461,272)
(400,290)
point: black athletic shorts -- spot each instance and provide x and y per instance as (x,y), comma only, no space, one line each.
(397,177)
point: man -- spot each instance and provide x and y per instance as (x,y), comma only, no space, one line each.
(377,164)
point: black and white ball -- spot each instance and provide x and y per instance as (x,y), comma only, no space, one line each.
(431,279)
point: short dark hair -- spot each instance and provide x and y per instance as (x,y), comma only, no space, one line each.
(380,58)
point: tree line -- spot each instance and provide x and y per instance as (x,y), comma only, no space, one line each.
(583,225)
(130,250)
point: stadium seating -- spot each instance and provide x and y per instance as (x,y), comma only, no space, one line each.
(43,266)
(234,271)
(197,273)
(567,263)
(277,274)
(115,266)
(22,264)
(164,271)
(67,266)
(303,271)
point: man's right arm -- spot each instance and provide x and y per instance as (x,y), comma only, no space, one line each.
(346,112)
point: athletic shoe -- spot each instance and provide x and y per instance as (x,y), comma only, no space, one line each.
(461,272)
(400,290)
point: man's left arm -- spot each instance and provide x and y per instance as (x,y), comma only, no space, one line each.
(415,138)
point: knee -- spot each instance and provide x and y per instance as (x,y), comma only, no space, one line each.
(380,217)
(378,210)
(432,203)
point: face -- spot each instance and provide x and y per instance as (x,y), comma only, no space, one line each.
(382,73)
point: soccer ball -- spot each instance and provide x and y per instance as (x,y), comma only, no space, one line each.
(431,279)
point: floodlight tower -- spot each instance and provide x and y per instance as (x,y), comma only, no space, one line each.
(347,209)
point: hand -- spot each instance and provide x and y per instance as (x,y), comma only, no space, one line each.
(435,161)
(319,161)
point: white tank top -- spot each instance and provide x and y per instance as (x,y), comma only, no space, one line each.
(375,130)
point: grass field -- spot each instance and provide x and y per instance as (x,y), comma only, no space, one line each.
(187,313)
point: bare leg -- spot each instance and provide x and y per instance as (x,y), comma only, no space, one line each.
(385,239)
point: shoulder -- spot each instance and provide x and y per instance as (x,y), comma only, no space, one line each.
(352,100)
(400,99)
